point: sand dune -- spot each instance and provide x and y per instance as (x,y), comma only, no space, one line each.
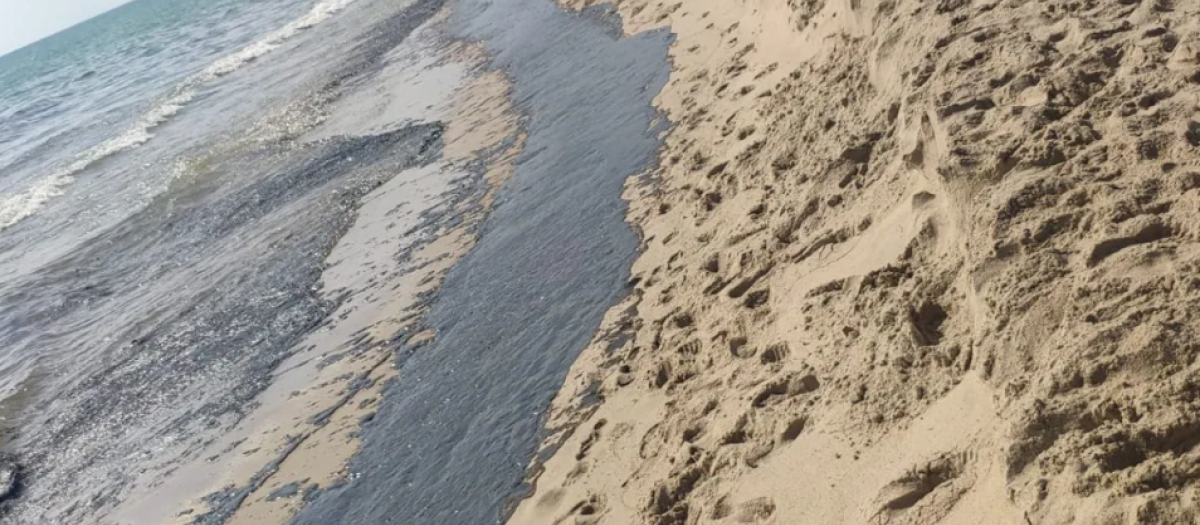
(904,261)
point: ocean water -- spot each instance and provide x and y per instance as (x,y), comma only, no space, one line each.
(163,224)
(169,192)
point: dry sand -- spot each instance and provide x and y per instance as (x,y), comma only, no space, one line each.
(904,261)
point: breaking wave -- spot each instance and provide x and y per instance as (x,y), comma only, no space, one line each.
(23,203)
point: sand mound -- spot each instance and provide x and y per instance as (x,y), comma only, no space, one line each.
(905,261)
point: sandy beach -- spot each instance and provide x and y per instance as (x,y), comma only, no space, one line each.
(902,262)
(646,262)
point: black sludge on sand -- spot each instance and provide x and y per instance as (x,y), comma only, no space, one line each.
(156,335)
(190,282)
(452,439)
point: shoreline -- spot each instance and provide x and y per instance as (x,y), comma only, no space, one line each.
(306,425)
(541,262)
(450,445)
(309,443)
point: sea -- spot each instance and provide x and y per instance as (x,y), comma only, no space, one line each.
(174,176)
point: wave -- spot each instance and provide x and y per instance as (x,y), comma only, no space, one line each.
(15,207)
(228,64)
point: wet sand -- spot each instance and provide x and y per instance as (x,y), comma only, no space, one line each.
(306,425)
(815,261)
(467,286)
(393,313)
(451,440)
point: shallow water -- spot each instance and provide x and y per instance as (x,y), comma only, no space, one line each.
(457,430)
(146,301)
(168,200)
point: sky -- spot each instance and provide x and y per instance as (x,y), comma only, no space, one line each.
(24,22)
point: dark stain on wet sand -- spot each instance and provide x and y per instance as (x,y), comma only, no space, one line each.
(453,437)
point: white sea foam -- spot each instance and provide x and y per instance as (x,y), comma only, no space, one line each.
(230,63)
(18,205)
(21,204)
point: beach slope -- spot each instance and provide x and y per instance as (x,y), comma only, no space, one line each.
(902,262)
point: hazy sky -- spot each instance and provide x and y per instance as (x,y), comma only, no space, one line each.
(27,21)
